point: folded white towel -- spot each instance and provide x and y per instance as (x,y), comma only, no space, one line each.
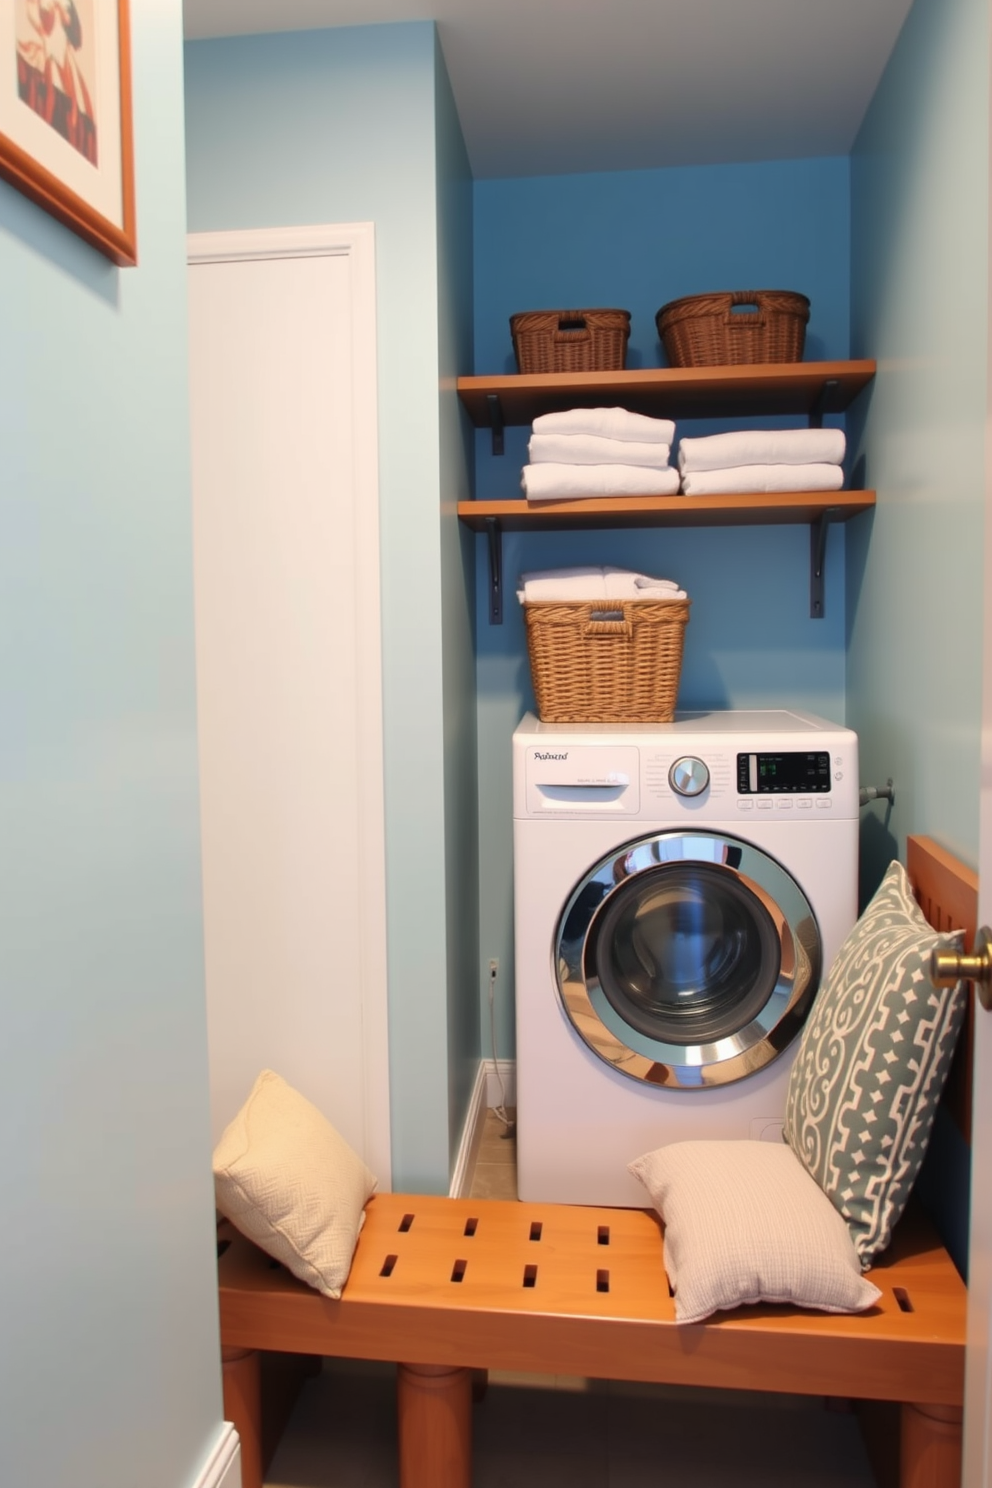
(621,583)
(763,447)
(610,423)
(590,584)
(562,583)
(755,478)
(593,449)
(554,482)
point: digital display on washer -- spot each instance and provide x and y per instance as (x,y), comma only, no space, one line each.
(796,773)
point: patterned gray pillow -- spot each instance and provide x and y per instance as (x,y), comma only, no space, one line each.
(872,1061)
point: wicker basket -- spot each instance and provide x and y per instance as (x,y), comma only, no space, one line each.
(570,340)
(706,330)
(606,661)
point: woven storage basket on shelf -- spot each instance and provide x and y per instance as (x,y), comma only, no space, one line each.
(707,331)
(606,661)
(570,340)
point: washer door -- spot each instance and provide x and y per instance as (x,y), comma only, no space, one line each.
(687,959)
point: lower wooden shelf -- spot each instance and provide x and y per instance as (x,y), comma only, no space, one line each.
(815,509)
(735,510)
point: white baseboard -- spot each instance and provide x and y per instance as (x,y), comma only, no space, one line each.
(223,1467)
(485,1096)
(468,1147)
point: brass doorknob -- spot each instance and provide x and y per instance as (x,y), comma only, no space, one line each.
(948,967)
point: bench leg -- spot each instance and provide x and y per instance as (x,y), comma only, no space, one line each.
(435,1426)
(930,1446)
(242,1379)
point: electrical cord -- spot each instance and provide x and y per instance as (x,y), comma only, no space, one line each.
(500,1111)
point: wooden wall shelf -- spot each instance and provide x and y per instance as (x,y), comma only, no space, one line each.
(667,511)
(810,389)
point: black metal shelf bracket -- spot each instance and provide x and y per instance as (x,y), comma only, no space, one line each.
(496,421)
(494,536)
(817,556)
(823,397)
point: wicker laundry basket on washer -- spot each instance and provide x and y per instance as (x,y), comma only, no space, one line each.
(606,661)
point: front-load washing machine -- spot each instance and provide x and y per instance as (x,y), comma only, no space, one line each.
(679,891)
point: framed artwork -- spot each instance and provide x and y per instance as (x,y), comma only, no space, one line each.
(65,115)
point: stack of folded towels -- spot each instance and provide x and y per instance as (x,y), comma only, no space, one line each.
(599,452)
(763,460)
(580,585)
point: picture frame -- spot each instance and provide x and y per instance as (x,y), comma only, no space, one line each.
(65,116)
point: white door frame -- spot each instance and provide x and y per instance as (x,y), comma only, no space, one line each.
(356,241)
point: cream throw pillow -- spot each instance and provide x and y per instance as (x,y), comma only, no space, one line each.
(291,1183)
(744,1222)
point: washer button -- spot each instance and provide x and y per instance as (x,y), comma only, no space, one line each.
(804,805)
(764,804)
(745,805)
(783,805)
(824,805)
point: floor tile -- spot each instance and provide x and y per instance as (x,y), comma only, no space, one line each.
(494,1181)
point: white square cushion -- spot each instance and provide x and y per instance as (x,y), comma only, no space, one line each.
(745,1222)
(291,1183)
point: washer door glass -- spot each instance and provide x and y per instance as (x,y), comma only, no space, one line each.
(688,959)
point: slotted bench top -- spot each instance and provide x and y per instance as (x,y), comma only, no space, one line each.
(549,1288)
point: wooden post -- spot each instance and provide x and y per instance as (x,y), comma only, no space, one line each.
(242,1381)
(930,1446)
(435,1426)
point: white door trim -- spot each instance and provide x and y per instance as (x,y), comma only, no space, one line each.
(356,241)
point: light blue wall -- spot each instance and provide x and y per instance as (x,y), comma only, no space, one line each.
(336,126)
(636,240)
(920,206)
(920,255)
(109,1368)
(455,283)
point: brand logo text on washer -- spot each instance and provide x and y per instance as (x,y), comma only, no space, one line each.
(546,754)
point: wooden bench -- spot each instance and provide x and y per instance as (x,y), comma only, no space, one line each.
(450,1288)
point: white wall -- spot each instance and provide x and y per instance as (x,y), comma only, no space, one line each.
(109,1370)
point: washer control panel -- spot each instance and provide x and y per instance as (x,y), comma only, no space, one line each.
(792,772)
(710,772)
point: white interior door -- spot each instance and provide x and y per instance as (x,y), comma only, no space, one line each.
(286,564)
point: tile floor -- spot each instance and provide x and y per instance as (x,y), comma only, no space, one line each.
(534,1431)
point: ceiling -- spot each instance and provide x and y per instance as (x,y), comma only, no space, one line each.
(552,87)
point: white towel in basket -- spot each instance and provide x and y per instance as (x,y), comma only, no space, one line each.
(610,423)
(583,584)
(556,482)
(757,478)
(594,449)
(763,447)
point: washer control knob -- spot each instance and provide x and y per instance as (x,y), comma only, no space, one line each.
(689,776)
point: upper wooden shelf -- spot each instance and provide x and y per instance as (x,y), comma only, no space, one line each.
(808,388)
(736,510)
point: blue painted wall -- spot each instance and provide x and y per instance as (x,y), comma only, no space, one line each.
(636,240)
(356,124)
(455,304)
(109,1362)
(920,255)
(920,201)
